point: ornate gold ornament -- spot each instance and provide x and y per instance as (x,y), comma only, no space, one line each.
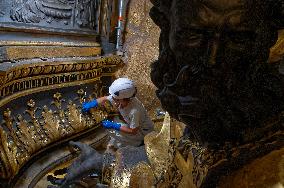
(161,153)
(29,133)
(31,78)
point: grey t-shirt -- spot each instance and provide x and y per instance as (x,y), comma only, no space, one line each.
(135,115)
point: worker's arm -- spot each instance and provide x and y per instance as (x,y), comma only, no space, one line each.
(118,126)
(86,106)
(134,119)
(129,130)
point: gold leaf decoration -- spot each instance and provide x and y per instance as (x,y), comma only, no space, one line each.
(51,124)
(34,132)
(75,118)
(26,135)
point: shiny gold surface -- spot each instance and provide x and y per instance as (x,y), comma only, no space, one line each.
(9,155)
(277,51)
(40,30)
(142,176)
(125,173)
(186,168)
(120,177)
(167,168)
(48,43)
(44,88)
(178,171)
(158,147)
(265,172)
(31,135)
(31,78)
(39,68)
(47,80)
(29,52)
(27,135)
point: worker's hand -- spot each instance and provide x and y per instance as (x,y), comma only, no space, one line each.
(111,125)
(86,106)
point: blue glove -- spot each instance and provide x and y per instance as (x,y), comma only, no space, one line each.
(86,106)
(111,125)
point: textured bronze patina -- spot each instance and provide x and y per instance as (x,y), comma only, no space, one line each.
(213,74)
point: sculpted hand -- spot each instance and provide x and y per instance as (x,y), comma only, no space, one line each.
(111,125)
(86,106)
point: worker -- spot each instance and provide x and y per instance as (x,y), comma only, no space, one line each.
(135,122)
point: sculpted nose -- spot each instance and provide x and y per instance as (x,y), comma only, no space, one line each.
(214,45)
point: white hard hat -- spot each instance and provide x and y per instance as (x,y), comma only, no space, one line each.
(122,88)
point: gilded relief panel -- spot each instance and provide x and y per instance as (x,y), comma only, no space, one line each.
(40,106)
(25,134)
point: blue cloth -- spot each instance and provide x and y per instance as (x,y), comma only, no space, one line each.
(111,125)
(86,106)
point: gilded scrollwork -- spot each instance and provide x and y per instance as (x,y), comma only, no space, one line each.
(98,89)
(36,127)
(60,114)
(28,133)
(75,118)
(47,68)
(81,95)
(3,163)
(10,150)
(51,124)
(32,76)
(9,123)
(1,79)
(24,135)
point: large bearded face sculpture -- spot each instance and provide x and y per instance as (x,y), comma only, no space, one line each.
(213,72)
